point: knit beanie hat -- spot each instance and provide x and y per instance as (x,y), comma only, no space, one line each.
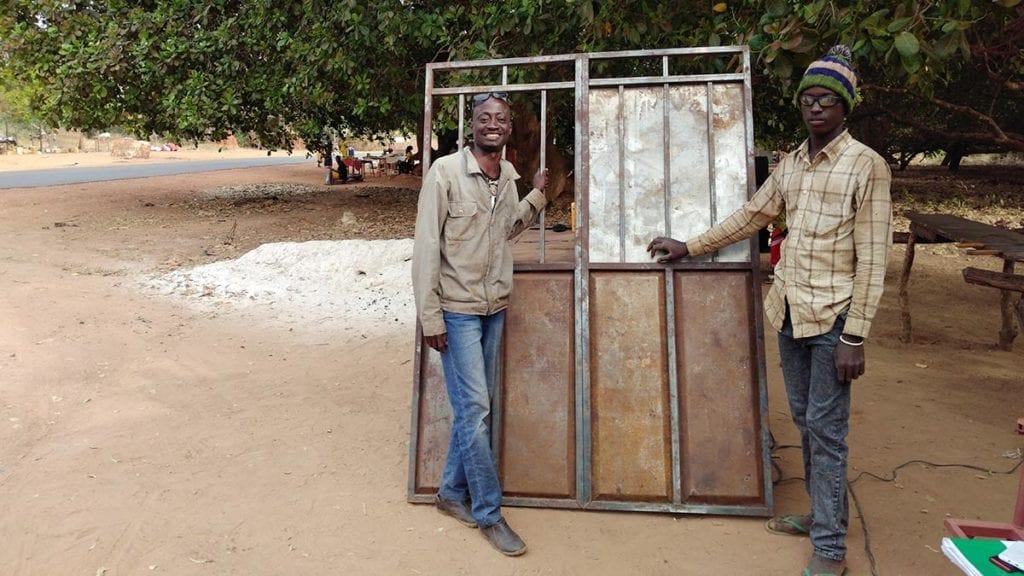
(833,71)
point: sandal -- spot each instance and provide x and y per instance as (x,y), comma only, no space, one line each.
(794,525)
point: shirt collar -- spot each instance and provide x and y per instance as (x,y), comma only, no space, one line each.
(831,150)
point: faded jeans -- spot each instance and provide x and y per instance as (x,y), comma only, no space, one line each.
(471,366)
(820,406)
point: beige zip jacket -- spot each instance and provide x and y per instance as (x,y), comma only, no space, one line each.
(462,261)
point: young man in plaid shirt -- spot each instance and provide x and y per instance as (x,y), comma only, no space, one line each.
(835,194)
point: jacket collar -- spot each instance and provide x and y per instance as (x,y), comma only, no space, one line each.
(508,171)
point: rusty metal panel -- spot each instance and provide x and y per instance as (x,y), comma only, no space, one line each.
(718,388)
(605,176)
(630,412)
(690,177)
(538,446)
(433,424)
(705,178)
(730,169)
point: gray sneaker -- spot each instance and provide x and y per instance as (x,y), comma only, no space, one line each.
(504,539)
(458,510)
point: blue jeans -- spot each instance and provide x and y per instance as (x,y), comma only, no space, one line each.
(820,406)
(471,366)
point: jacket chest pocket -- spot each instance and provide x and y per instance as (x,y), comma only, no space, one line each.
(459,224)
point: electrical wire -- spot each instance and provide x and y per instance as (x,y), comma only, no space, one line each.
(864,526)
(894,473)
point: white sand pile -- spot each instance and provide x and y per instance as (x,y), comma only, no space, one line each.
(337,285)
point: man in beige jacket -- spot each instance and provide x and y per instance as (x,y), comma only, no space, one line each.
(468,211)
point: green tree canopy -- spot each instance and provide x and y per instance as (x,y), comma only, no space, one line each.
(202,68)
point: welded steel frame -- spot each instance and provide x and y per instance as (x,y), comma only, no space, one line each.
(582,267)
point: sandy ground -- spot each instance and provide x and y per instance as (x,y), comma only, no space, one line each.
(10,162)
(140,435)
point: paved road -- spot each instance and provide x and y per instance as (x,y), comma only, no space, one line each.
(75,175)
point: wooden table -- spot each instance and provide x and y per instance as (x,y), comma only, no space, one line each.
(978,239)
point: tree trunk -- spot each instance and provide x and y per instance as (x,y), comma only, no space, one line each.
(905,158)
(328,152)
(954,155)
(526,140)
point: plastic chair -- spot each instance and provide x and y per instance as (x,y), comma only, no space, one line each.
(387,166)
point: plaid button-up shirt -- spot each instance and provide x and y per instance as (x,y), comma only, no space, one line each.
(839,216)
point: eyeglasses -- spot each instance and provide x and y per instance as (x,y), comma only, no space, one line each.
(825,100)
(481,98)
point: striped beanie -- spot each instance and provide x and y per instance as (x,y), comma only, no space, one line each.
(833,71)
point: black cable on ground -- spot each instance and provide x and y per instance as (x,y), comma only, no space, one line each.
(864,527)
(856,501)
(934,465)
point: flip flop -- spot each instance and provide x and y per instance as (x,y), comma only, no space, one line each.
(794,525)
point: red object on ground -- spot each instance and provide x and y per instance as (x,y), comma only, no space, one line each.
(981,529)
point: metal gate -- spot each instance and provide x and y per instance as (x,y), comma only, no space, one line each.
(626,384)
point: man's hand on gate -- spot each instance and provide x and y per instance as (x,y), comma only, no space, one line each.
(672,249)
(540,179)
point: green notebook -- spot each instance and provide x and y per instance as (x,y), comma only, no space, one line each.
(972,555)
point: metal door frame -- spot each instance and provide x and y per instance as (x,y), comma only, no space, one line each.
(582,266)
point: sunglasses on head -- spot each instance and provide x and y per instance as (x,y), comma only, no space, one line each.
(825,100)
(481,98)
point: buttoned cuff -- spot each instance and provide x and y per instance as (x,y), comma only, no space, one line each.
(857,327)
(695,247)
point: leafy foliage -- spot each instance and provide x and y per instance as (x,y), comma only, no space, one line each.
(203,68)
(15,104)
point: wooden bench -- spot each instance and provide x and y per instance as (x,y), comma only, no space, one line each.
(978,239)
(1005,283)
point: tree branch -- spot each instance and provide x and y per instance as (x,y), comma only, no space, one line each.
(943,135)
(984,119)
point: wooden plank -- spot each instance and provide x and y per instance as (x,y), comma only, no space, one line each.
(1008,243)
(559,247)
(992,279)
(1010,304)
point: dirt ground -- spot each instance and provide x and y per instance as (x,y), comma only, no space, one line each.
(141,436)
